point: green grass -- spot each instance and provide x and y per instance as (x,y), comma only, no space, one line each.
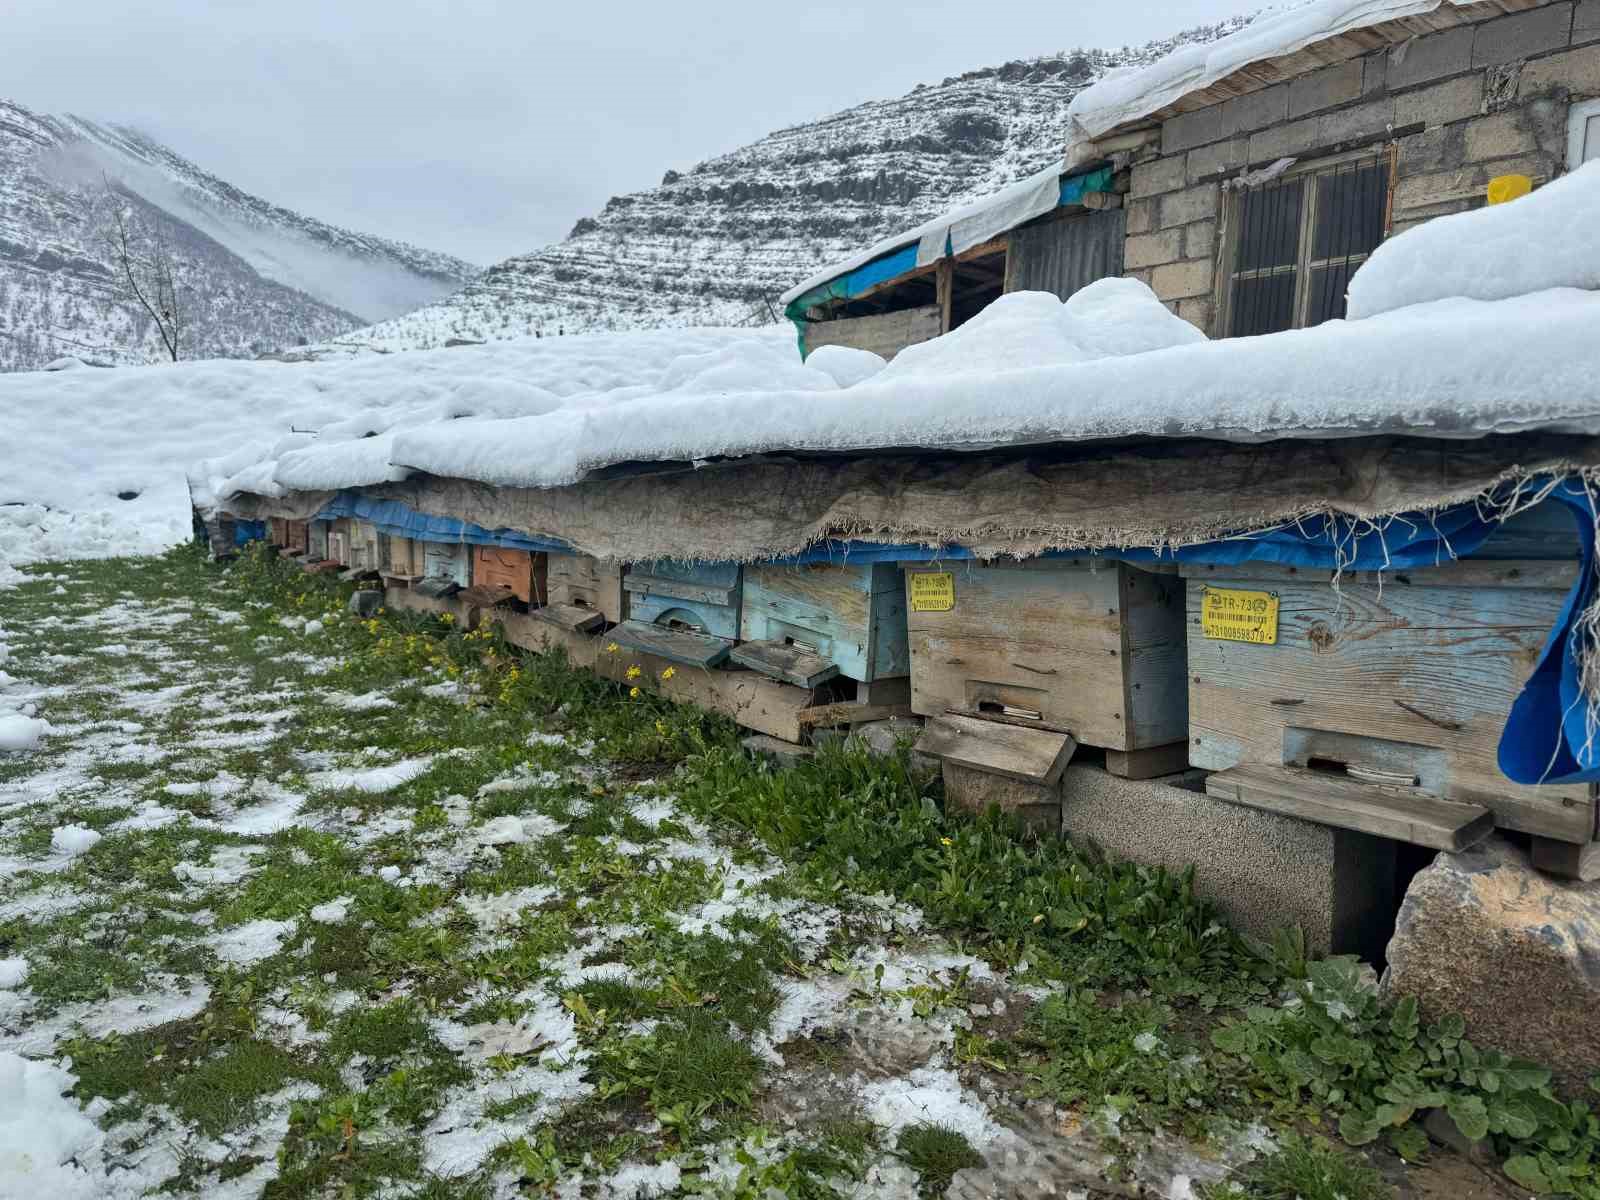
(1305,1169)
(936,1152)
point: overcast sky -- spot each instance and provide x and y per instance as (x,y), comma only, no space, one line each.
(486,127)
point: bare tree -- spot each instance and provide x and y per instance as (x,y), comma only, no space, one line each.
(145,272)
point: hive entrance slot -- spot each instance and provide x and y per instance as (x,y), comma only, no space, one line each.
(995,708)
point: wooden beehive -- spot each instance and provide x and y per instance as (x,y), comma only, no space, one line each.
(317,540)
(449,562)
(806,624)
(277,532)
(363,547)
(1091,648)
(1365,703)
(586,582)
(686,612)
(402,559)
(521,573)
(339,540)
(296,537)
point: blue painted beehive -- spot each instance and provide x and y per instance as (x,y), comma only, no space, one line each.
(848,620)
(686,612)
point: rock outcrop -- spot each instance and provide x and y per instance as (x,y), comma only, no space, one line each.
(1515,952)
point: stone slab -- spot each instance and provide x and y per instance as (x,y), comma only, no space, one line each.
(1263,870)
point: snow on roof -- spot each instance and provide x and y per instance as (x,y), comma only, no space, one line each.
(1030,369)
(967,226)
(1134,93)
(1549,238)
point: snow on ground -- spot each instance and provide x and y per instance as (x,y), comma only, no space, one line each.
(97,461)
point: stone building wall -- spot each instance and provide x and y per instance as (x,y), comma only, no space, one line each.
(1462,106)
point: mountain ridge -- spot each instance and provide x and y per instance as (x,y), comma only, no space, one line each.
(716,244)
(259,276)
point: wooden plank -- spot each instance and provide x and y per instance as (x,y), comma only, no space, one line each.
(785,662)
(1029,755)
(674,645)
(1465,573)
(945,282)
(1568,860)
(848,712)
(1399,680)
(882,333)
(680,589)
(1149,763)
(487,595)
(436,587)
(754,701)
(571,616)
(413,600)
(1400,814)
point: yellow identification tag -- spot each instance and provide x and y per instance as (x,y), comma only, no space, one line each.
(1234,616)
(932,591)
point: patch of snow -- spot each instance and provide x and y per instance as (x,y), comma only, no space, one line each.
(931,1095)
(44,1135)
(250,942)
(229,865)
(18,732)
(503,909)
(13,971)
(510,830)
(372,780)
(73,840)
(366,702)
(333,912)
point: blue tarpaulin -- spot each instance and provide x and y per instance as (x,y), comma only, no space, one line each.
(399,520)
(248,531)
(1546,738)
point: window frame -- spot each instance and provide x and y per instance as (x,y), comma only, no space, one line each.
(1579,114)
(1383,154)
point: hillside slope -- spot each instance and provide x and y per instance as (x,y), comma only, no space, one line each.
(260,276)
(715,244)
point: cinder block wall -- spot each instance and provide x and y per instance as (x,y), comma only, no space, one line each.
(1464,105)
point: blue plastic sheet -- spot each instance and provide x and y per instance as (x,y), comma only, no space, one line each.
(245,532)
(399,520)
(1546,737)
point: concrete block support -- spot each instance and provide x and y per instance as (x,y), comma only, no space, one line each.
(1264,871)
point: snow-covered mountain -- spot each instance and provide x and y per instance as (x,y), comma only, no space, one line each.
(716,244)
(260,277)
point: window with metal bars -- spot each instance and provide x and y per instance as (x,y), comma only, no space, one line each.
(1299,239)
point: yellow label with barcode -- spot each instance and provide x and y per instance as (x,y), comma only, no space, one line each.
(932,591)
(1231,615)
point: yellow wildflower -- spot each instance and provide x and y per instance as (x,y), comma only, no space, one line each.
(946,842)
(669,672)
(634,672)
(661,728)
(612,648)
(633,692)
(448,618)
